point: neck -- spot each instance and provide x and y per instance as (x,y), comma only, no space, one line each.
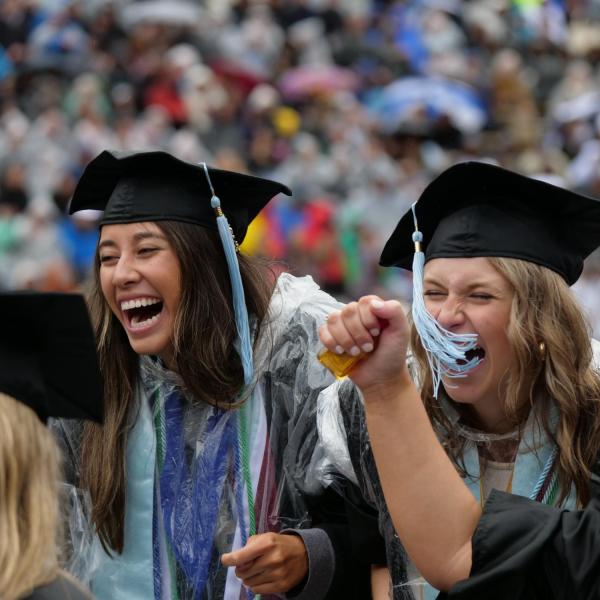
(168,360)
(489,418)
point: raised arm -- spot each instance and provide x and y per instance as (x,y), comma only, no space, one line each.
(433,512)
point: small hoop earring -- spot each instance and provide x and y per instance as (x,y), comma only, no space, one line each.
(542,348)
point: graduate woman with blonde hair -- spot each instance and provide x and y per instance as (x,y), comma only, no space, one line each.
(48,367)
(506,375)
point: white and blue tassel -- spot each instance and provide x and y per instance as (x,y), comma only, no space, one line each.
(443,348)
(244,342)
(237,289)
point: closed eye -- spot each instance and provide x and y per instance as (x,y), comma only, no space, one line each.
(481,296)
(107,258)
(434,293)
(146,251)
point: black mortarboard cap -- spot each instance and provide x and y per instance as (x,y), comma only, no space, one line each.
(477,209)
(48,355)
(131,187)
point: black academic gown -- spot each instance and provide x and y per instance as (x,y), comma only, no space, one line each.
(62,588)
(352,529)
(368,519)
(523,550)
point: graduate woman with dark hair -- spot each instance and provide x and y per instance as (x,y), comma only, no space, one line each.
(502,357)
(201,480)
(48,368)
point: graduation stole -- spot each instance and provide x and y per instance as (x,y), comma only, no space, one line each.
(189,491)
(529,479)
(191,478)
(547,486)
(535,473)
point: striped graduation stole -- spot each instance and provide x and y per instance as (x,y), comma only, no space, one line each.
(546,489)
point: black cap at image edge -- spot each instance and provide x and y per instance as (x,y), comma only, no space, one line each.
(48,355)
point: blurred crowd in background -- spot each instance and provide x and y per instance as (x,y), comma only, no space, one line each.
(355,104)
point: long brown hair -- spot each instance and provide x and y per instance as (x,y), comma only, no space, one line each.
(559,371)
(204,357)
(29,517)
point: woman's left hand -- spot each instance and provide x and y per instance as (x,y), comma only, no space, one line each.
(270,563)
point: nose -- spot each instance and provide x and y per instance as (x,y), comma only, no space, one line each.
(125,273)
(451,315)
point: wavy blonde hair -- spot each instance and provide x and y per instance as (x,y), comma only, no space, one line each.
(29,517)
(543,310)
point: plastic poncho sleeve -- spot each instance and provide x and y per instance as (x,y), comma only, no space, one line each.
(294,383)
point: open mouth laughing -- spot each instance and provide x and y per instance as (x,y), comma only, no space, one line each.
(142,312)
(477,353)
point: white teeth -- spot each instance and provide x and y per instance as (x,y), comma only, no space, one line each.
(138,302)
(137,324)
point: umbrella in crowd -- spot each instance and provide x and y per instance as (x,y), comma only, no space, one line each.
(429,98)
(305,81)
(582,107)
(167,12)
(237,72)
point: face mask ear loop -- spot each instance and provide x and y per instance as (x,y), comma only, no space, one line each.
(444,348)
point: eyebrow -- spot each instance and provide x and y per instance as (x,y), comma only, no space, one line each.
(137,237)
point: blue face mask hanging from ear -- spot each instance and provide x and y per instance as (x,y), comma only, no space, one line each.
(446,351)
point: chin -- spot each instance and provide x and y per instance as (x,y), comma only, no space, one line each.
(463,394)
(148,347)
(459,399)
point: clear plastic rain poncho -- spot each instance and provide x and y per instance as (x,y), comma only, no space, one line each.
(217,474)
(346,451)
